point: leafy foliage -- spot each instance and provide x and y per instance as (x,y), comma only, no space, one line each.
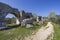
(54,18)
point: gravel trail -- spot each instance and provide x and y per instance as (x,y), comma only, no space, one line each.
(42,33)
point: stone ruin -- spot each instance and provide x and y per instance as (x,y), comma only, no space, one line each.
(25,18)
(5,10)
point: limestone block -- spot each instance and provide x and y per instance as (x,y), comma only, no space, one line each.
(28,21)
(17,22)
(29,25)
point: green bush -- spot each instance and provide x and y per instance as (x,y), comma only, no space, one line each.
(56,31)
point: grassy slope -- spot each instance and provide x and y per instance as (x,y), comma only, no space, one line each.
(17,33)
(57,32)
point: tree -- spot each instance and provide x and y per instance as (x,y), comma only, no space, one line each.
(10,20)
(52,16)
(58,19)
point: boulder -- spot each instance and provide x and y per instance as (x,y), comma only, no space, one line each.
(29,26)
(27,21)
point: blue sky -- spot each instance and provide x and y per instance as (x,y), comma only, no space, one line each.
(39,7)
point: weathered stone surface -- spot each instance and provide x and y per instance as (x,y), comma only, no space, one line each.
(17,22)
(28,21)
(24,18)
(39,18)
(29,26)
(4,10)
(24,15)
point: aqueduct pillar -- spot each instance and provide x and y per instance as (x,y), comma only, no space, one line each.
(4,10)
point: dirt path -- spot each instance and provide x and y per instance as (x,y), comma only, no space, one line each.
(43,33)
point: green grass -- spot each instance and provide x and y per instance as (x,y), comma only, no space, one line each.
(17,33)
(57,32)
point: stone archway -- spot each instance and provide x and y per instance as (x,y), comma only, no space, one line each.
(4,10)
